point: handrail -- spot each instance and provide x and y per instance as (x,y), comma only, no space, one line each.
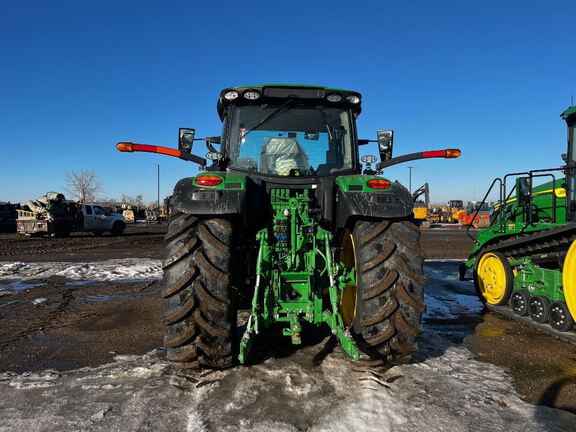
(553,196)
(481,204)
(503,198)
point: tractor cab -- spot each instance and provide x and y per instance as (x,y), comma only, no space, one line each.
(456,204)
(289,131)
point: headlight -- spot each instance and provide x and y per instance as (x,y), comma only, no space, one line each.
(334,97)
(251,95)
(353,99)
(231,95)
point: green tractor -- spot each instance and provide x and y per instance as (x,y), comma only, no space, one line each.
(527,257)
(286,222)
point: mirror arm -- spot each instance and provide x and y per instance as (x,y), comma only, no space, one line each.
(193,158)
(209,146)
(399,160)
(449,153)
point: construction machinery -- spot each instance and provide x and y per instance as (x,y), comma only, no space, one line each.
(285,219)
(476,214)
(526,259)
(436,215)
(421,206)
(453,211)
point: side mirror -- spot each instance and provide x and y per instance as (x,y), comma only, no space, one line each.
(385,143)
(186,140)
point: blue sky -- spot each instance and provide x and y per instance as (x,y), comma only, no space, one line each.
(77,76)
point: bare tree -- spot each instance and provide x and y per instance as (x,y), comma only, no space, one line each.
(134,200)
(83,184)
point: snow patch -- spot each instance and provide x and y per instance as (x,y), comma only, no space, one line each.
(129,269)
(444,389)
(34,380)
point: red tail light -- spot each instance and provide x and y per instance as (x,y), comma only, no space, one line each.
(448,153)
(378,184)
(434,153)
(209,180)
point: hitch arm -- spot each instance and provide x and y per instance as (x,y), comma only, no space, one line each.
(447,154)
(130,147)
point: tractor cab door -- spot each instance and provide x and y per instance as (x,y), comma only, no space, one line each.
(571,163)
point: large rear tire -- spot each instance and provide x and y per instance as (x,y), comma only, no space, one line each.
(389,288)
(199,300)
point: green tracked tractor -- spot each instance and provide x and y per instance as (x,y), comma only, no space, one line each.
(286,222)
(527,257)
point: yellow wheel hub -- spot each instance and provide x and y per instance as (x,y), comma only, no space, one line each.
(491,278)
(569,279)
(348,297)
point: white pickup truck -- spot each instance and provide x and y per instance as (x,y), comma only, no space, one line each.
(60,217)
(98,220)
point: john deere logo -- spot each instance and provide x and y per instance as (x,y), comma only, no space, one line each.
(560,192)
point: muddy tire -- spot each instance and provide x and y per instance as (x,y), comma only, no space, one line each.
(199,301)
(390,289)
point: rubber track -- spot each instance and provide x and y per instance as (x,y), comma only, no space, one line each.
(539,242)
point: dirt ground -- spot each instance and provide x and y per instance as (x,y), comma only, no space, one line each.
(138,241)
(80,325)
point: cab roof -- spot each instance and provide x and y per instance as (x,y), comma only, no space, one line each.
(269,93)
(570,112)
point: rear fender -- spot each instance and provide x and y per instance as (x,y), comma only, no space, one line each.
(226,198)
(354,198)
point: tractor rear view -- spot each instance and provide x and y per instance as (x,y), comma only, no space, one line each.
(527,257)
(285,221)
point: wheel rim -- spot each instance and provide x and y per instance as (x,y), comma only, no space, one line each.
(569,279)
(536,308)
(349,295)
(518,303)
(557,316)
(492,278)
